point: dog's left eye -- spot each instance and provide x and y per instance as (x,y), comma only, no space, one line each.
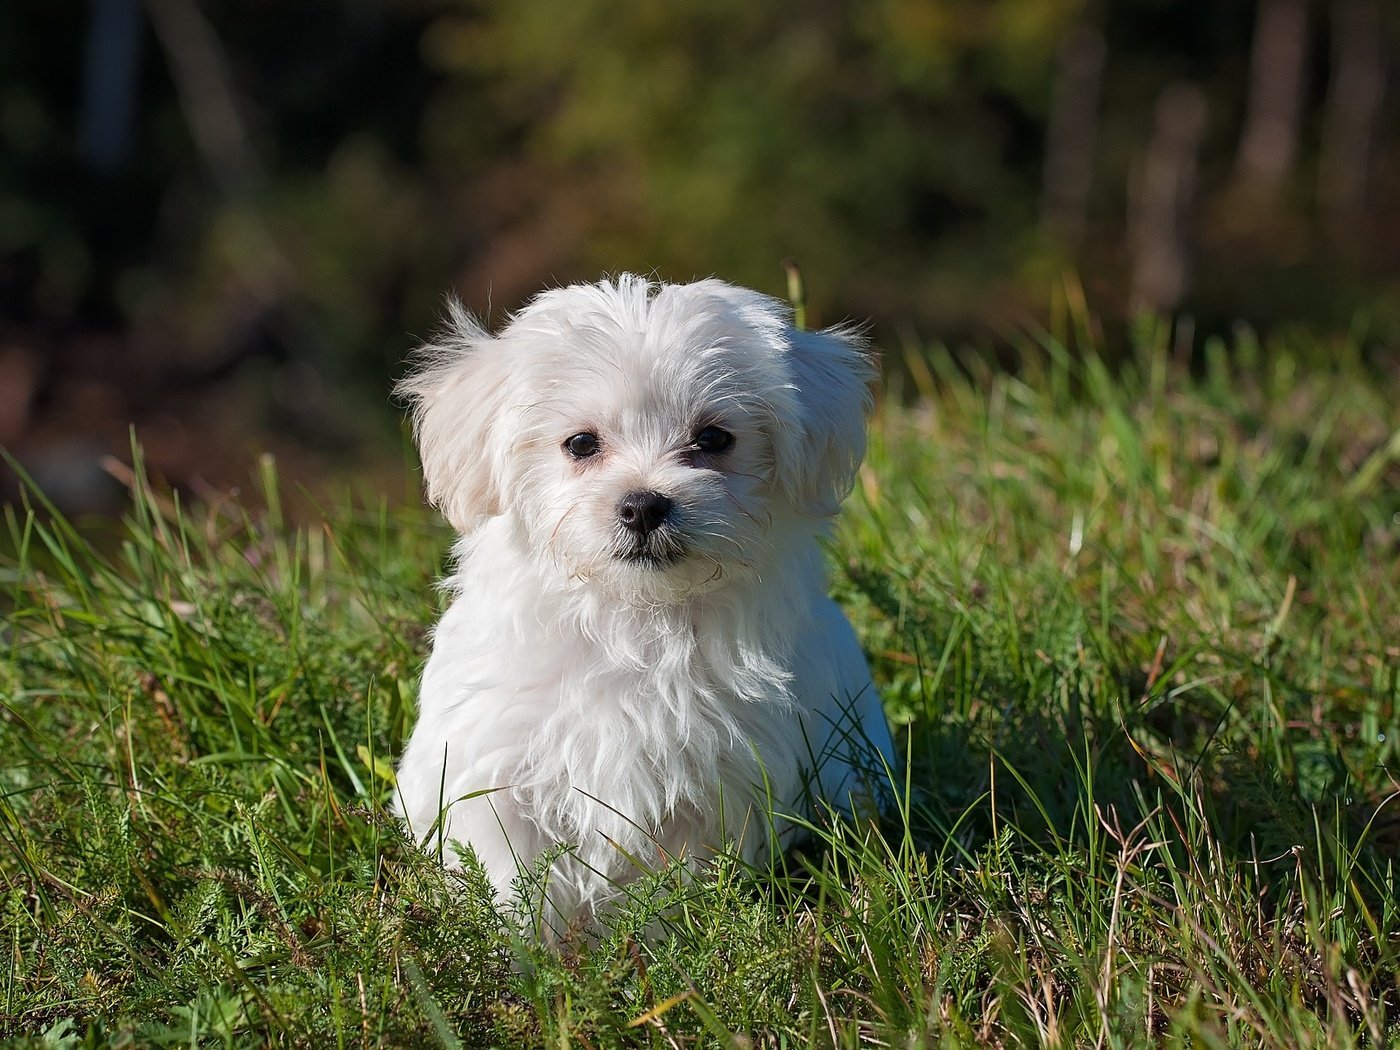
(714,439)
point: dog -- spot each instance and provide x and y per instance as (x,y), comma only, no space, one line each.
(640,661)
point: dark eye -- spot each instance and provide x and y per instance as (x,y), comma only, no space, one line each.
(714,440)
(581,446)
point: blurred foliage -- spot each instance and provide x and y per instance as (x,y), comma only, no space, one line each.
(380,152)
(890,147)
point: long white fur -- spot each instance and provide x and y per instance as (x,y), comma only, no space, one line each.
(634,712)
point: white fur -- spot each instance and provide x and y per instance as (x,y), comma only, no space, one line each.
(636,710)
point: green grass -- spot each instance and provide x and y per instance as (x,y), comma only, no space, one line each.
(1140,629)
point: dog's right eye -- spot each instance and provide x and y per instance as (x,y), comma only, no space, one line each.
(581,446)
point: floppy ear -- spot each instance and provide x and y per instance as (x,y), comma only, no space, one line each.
(456,392)
(831,372)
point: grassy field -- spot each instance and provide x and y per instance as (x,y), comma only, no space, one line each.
(1140,632)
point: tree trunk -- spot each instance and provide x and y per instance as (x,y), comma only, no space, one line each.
(1349,124)
(1071,134)
(1269,143)
(1161,197)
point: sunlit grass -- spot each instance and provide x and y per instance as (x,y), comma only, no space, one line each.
(1139,628)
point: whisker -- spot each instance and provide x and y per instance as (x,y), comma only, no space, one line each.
(554,535)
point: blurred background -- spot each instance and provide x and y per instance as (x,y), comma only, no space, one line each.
(228,221)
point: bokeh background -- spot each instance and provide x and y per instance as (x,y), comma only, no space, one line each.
(228,221)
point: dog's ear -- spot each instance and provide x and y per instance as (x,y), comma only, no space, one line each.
(831,372)
(456,392)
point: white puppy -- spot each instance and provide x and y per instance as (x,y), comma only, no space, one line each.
(640,660)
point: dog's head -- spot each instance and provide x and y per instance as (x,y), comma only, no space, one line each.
(646,436)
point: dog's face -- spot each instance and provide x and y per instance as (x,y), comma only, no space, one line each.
(642,438)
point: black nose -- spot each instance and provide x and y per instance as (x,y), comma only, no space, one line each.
(642,512)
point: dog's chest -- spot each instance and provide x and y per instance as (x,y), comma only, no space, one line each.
(652,735)
(638,717)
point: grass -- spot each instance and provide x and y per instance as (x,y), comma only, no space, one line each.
(1139,628)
